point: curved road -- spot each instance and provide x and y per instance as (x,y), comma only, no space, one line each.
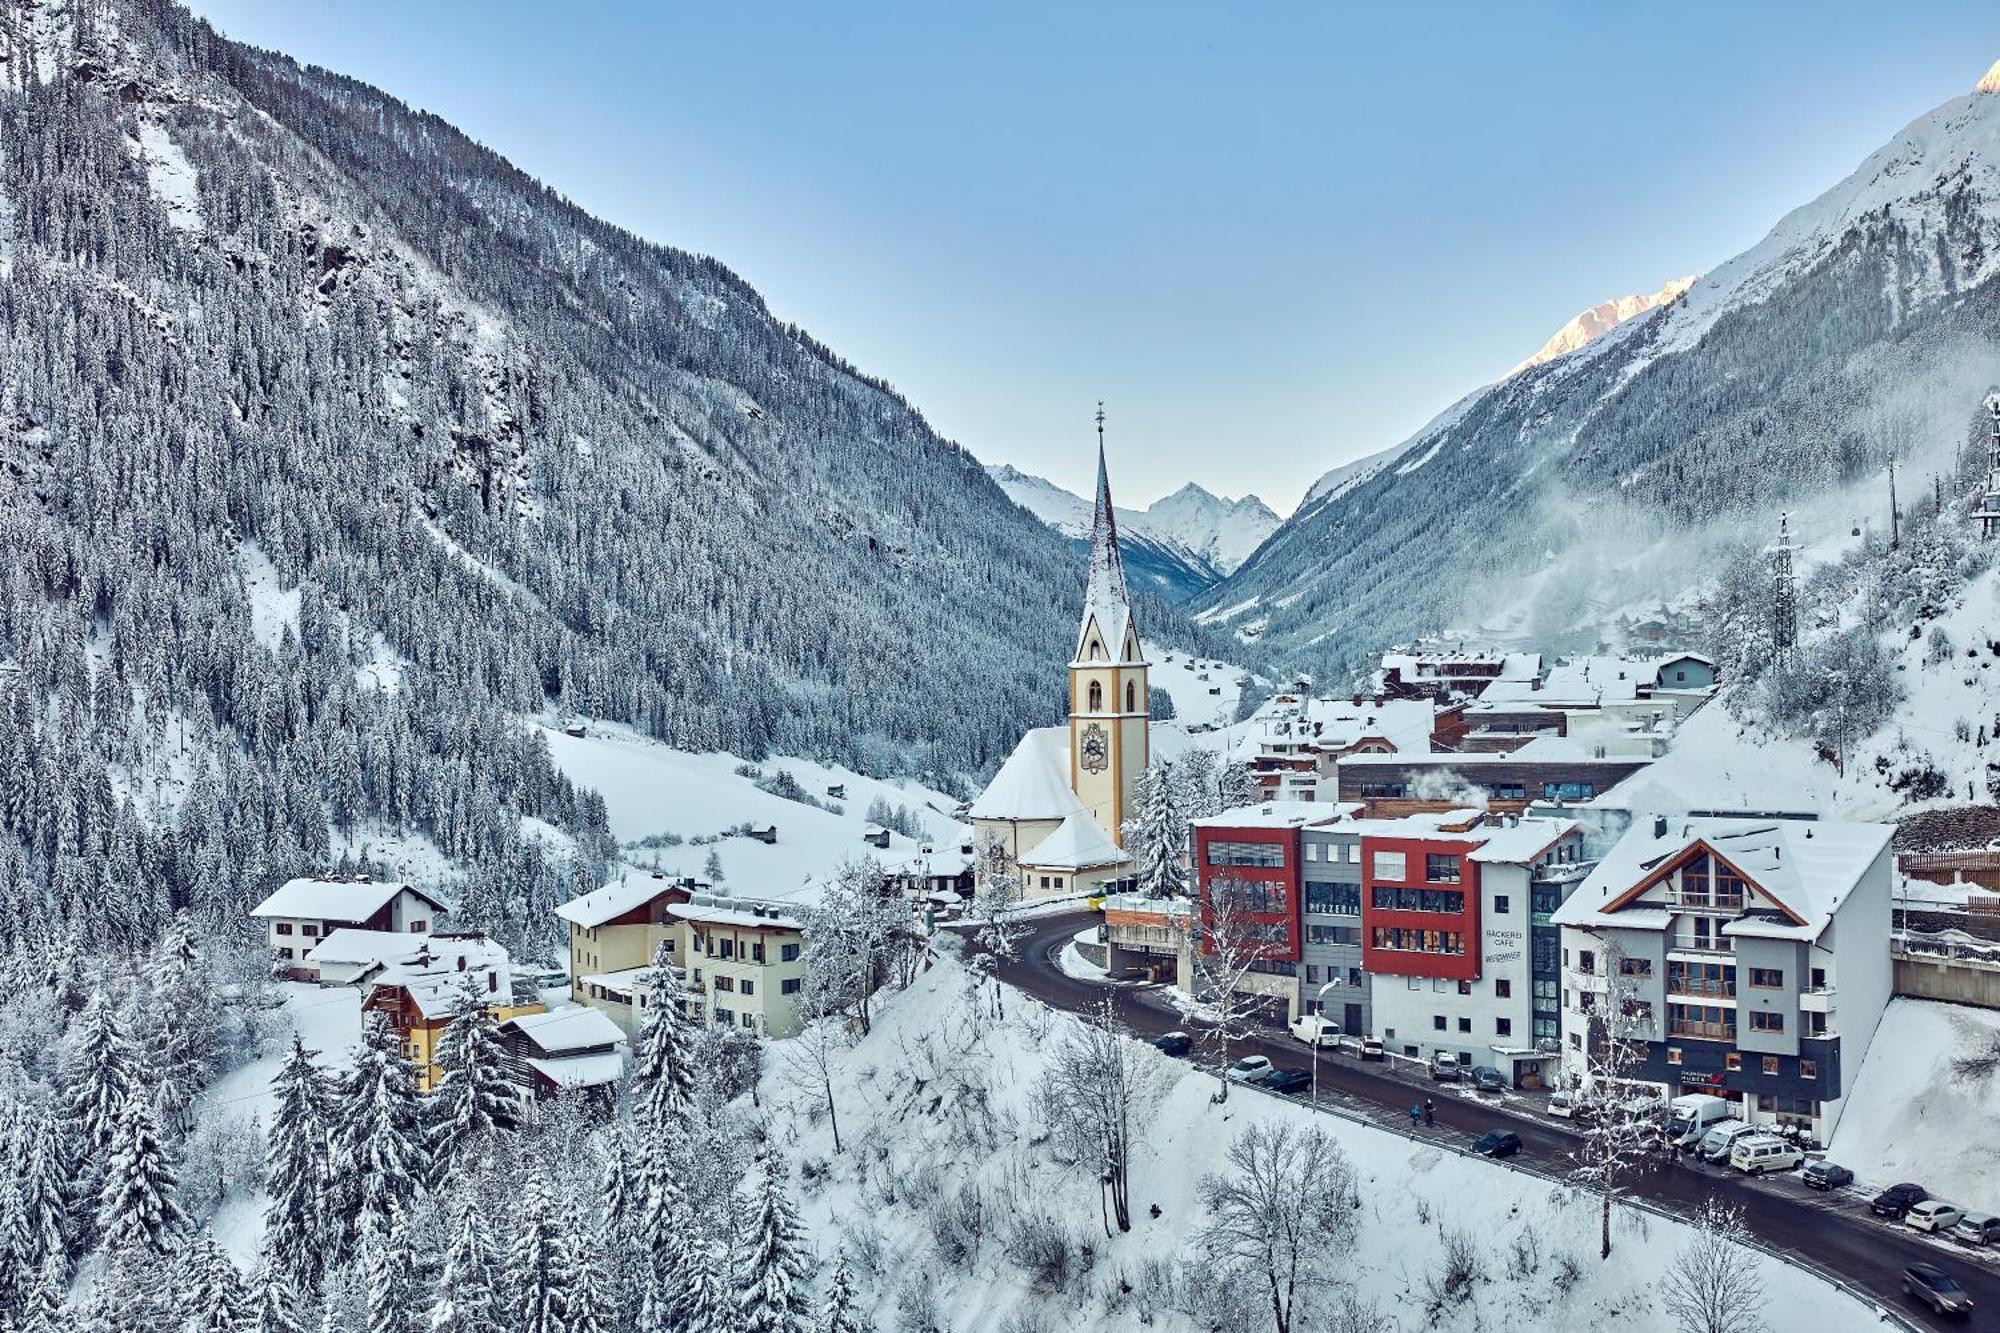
(1833,1232)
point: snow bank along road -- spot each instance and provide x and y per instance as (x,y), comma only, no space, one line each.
(1833,1233)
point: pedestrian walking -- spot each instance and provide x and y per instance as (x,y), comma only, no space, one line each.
(1416,1115)
(1430,1112)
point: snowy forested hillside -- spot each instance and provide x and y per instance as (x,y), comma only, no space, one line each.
(331,443)
(1863,329)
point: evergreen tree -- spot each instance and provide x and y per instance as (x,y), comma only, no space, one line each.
(138,1205)
(663,1082)
(276,1304)
(539,1268)
(476,1097)
(590,1295)
(42,1311)
(380,1136)
(837,1313)
(386,1263)
(466,1301)
(184,1008)
(99,1075)
(773,1262)
(702,1303)
(1239,787)
(211,1293)
(1158,837)
(298,1235)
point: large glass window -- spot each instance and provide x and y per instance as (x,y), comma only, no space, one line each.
(1334,899)
(1249,895)
(1266,854)
(1390,865)
(1411,940)
(1417,900)
(1333,934)
(1441,868)
(1763,1020)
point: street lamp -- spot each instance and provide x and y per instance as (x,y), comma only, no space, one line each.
(1319,1012)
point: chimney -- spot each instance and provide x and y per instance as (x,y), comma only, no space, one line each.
(1659,826)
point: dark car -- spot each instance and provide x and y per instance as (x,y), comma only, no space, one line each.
(1824,1175)
(1174,1043)
(1937,1289)
(1494,1143)
(1897,1200)
(1488,1079)
(1289,1080)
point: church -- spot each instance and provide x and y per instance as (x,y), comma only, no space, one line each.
(1058,806)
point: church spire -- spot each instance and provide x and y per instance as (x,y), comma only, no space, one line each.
(1108,632)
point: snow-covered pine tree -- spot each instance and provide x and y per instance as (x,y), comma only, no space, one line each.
(772,1262)
(836,1312)
(19,1260)
(98,1074)
(138,1204)
(380,1144)
(42,1309)
(188,1036)
(276,1306)
(298,1234)
(702,1303)
(46,1187)
(1158,837)
(466,1300)
(591,1302)
(1238,786)
(477,1096)
(663,1082)
(538,1267)
(386,1263)
(210,1292)
(1200,786)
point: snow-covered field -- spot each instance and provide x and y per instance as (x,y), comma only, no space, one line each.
(1193,704)
(939,1099)
(1918,1115)
(651,789)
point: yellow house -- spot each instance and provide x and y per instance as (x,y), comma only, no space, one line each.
(615,933)
(416,984)
(746,958)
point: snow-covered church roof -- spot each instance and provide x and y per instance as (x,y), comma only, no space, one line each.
(1107,632)
(1079,843)
(1034,782)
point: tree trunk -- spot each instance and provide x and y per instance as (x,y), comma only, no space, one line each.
(1121,1203)
(1281,1319)
(1605,1251)
(832,1118)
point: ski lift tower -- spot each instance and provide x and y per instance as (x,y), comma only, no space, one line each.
(1988,512)
(1784,589)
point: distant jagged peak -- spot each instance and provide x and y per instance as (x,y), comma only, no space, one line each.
(1991,83)
(1600,319)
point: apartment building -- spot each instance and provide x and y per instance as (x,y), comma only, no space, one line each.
(1752,956)
(302,912)
(1256,854)
(746,959)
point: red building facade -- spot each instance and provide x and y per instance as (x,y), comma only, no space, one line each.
(1264,865)
(1420,907)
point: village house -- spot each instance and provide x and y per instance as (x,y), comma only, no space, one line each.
(303,912)
(1548,769)
(746,959)
(575,1048)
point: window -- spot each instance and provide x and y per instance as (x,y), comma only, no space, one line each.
(1334,899)
(749,987)
(1500,905)
(1502,988)
(1503,1027)
(1635,967)
(1096,697)
(1411,940)
(1312,851)
(728,947)
(726,1017)
(1732,1061)
(1354,976)
(1762,1020)
(1714,1022)
(285,953)
(1808,1069)
(1569,791)
(788,953)
(1465,1025)
(1586,962)
(1685,978)
(757,951)
(1441,868)
(1770,1066)
(1390,865)
(1269,855)
(725,983)
(1131,697)
(1816,1024)
(789,986)
(749,1020)
(1819,978)
(309,929)
(1437,1022)
(420,927)
(1254,896)
(1417,900)
(1333,934)
(1354,853)
(1673,1055)
(1312,975)
(1576,1041)
(1767,978)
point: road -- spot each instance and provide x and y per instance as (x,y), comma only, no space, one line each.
(1833,1233)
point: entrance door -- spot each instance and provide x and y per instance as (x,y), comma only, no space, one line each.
(1350,1021)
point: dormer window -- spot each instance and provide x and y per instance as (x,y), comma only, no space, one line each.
(1096,651)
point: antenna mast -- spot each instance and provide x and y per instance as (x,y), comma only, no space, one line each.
(1784,592)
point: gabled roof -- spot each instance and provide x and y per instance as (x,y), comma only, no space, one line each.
(615,899)
(335,899)
(574,1028)
(1107,607)
(1522,842)
(427,967)
(581,1071)
(1077,844)
(1034,782)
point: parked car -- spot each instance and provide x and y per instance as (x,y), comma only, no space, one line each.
(1825,1175)
(1932,1215)
(1174,1043)
(1288,1080)
(1488,1079)
(1371,1049)
(1496,1143)
(1715,1144)
(1937,1289)
(1897,1200)
(1445,1067)
(1316,1030)
(1250,1069)
(1977,1229)
(1754,1154)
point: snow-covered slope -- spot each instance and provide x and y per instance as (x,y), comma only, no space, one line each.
(1182,543)
(1600,319)
(1862,328)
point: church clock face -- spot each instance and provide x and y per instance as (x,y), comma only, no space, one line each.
(1096,749)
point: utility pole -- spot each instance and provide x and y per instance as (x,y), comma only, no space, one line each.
(1784,592)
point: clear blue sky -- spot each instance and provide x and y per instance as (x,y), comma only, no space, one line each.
(1271,236)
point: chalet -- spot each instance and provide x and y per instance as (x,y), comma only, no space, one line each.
(566,1050)
(616,932)
(1454,673)
(937,873)
(303,912)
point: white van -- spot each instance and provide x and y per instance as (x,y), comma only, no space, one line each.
(1316,1030)
(1754,1154)
(1690,1116)
(1715,1144)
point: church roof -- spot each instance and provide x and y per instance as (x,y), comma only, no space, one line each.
(1034,782)
(1079,843)
(1105,600)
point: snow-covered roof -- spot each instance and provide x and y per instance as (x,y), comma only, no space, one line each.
(1034,782)
(581,1071)
(360,946)
(1079,843)
(714,909)
(333,899)
(621,895)
(427,967)
(625,980)
(1280,814)
(1523,841)
(1806,868)
(574,1027)
(1107,607)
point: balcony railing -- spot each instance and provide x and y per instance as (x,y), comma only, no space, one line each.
(1702,944)
(1703,1031)
(1700,986)
(1705,900)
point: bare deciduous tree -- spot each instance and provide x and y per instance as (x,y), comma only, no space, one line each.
(1619,1134)
(1096,1083)
(810,1057)
(1225,944)
(995,900)
(1280,1213)
(1713,1286)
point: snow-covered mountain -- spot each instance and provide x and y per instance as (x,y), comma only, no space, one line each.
(1181,543)
(1863,328)
(1601,318)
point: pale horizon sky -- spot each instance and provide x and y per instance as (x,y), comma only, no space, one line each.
(1272,238)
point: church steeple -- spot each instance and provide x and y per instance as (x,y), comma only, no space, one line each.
(1108,632)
